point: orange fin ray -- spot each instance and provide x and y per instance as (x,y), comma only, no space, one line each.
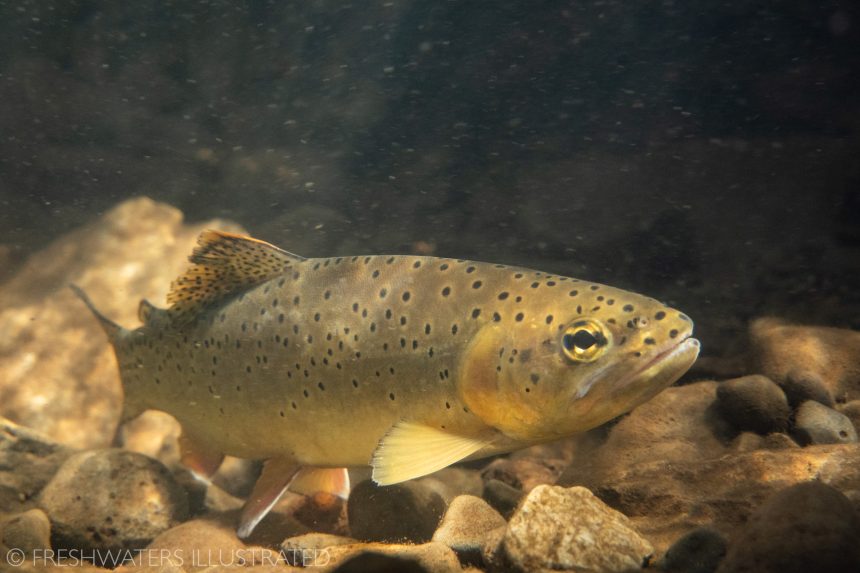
(224,264)
(310,480)
(203,461)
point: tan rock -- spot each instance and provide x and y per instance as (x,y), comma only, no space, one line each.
(524,473)
(680,424)
(112,500)
(666,499)
(302,550)
(467,526)
(433,557)
(200,543)
(783,350)
(806,527)
(408,511)
(569,529)
(29,532)
(57,371)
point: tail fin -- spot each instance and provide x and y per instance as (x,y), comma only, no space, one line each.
(111,328)
(132,403)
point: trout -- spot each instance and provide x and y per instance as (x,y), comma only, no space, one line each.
(405,363)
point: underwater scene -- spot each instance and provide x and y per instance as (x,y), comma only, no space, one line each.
(437,286)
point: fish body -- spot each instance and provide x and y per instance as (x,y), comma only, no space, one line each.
(406,363)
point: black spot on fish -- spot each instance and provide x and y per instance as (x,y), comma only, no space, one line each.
(503,295)
(406,296)
(476,312)
(470,269)
(660,315)
(382,293)
(549,319)
(416,264)
(443,267)
(327,295)
(649,340)
(497,317)
(594,287)
(627,308)
(673,333)
(477,284)
(535,285)
(375,274)
(446,291)
(534,378)
(573,293)
(454,329)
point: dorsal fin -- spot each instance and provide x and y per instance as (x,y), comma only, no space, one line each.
(224,264)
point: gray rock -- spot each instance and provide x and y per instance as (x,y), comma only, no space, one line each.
(753,404)
(806,527)
(28,461)
(801,385)
(502,497)
(28,531)
(699,551)
(559,529)
(816,424)
(112,499)
(466,526)
(852,411)
(408,511)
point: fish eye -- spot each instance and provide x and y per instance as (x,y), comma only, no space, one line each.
(584,341)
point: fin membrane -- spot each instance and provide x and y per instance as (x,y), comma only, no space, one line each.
(410,450)
(224,264)
(271,485)
(330,480)
(203,461)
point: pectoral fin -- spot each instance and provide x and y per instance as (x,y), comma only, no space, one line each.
(309,481)
(410,450)
(203,461)
(271,485)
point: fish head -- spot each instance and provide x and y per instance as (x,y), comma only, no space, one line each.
(542,379)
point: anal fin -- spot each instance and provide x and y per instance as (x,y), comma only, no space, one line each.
(411,450)
(310,480)
(271,485)
(202,460)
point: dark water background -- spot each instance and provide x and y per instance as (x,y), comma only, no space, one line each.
(704,152)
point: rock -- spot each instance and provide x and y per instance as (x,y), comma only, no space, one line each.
(800,386)
(558,529)
(305,550)
(112,499)
(381,563)
(699,551)
(790,354)
(748,441)
(523,473)
(680,424)
(28,532)
(323,512)
(815,423)
(754,404)
(665,500)
(200,543)
(70,390)
(28,461)
(453,481)
(806,527)
(466,526)
(851,410)
(154,434)
(408,511)
(428,557)
(502,497)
